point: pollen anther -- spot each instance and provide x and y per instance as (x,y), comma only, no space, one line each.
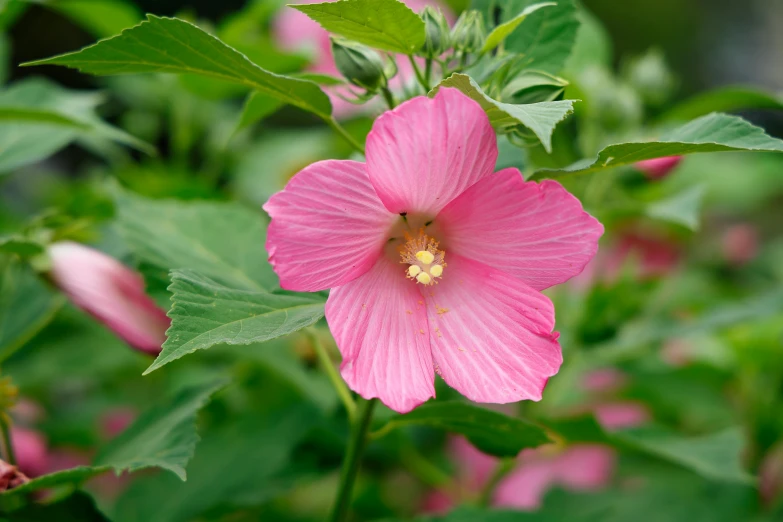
(414,270)
(424,278)
(436,270)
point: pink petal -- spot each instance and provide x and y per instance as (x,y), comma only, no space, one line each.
(491,333)
(110,292)
(428,151)
(537,232)
(328,226)
(525,487)
(585,467)
(380,326)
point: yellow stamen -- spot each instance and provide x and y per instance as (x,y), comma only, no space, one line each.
(414,270)
(424,278)
(425,257)
(436,270)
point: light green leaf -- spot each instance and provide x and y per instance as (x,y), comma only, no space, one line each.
(724,99)
(67,477)
(547,37)
(489,431)
(533,86)
(102,19)
(39,118)
(26,306)
(205,313)
(502,31)
(541,118)
(257,107)
(163,436)
(384,24)
(683,208)
(711,133)
(175,46)
(223,241)
(237,460)
(320,79)
(716,456)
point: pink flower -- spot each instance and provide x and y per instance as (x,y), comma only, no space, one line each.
(110,292)
(30,449)
(740,244)
(659,168)
(435,263)
(295,31)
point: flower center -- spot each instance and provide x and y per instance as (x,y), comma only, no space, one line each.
(426,262)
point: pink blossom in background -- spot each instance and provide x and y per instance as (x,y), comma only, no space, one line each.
(771,476)
(620,415)
(116,420)
(435,263)
(30,449)
(605,379)
(740,244)
(659,168)
(110,292)
(295,31)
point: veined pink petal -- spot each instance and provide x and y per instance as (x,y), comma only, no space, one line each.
(427,151)
(537,232)
(380,326)
(110,292)
(491,333)
(328,226)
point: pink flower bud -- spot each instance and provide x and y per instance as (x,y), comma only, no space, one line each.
(110,292)
(659,168)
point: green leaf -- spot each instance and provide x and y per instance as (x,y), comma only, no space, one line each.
(384,24)
(547,37)
(725,99)
(205,313)
(257,107)
(489,431)
(77,507)
(541,118)
(101,19)
(223,241)
(716,456)
(683,208)
(238,459)
(39,118)
(175,46)
(26,305)
(502,31)
(69,477)
(20,246)
(163,436)
(712,133)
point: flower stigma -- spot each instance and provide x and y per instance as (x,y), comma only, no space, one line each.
(426,262)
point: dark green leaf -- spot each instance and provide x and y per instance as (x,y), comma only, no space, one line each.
(384,24)
(205,313)
(489,431)
(712,133)
(223,241)
(547,36)
(20,246)
(725,99)
(175,46)
(541,118)
(78,507)
(164,436)
(257,107)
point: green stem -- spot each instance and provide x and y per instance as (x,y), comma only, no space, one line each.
(427,71)
(339,129)
(331,372)
(503,468)
(419,77)
(388,96)
(5,425)
(353,455)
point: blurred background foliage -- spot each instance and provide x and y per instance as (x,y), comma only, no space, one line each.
(684,303)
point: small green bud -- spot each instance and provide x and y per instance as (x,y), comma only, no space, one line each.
(469,32)
(651,77)
(359,64)
(437,30)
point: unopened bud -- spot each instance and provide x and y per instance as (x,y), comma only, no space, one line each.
(436,28)
(469,32)
(359,64)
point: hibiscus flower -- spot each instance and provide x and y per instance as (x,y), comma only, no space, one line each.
(436,264)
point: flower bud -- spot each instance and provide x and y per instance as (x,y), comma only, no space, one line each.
(436,28)
(658,168)
(469,32)
(111,292)
(359,64)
